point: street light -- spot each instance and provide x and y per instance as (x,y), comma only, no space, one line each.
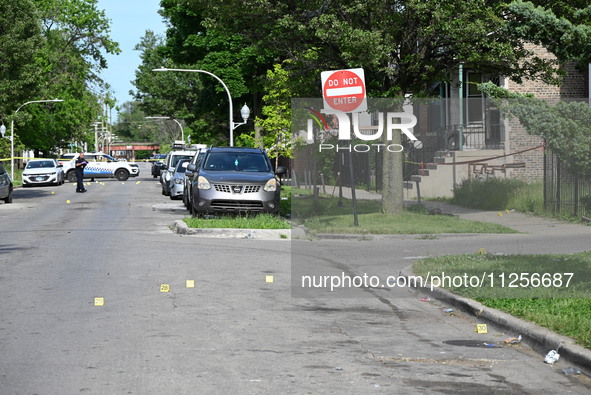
(244,112)
(12,130)
(172,119)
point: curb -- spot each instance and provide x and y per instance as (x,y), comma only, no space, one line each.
(180,227)
(541,339)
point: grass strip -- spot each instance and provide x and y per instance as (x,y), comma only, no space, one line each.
(565,310)
(261,221)
(325,215)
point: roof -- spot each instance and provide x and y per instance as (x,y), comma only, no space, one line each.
(236,149)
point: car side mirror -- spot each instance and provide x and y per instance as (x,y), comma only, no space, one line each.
(281,170)
(60,165)
(191,167)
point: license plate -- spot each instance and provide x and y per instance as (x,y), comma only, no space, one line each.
(39,178)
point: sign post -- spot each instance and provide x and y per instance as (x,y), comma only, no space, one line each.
(344,91)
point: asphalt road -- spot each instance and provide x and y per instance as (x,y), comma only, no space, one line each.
(232,332)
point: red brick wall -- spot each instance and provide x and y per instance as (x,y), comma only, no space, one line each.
(575,85)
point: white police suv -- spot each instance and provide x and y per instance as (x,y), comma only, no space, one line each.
(101,165)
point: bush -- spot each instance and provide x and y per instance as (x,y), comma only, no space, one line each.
(528,199)
(490,194)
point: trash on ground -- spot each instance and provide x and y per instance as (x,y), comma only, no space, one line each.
(570,371)
(491,345)
(552,357)
(426,299)
(514,340)
(449,310)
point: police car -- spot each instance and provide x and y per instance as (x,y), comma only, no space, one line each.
(100,165)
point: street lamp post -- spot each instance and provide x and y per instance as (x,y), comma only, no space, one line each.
(244,112)
(172,119)
(12,130)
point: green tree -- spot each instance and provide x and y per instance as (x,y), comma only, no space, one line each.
(20,40)
(76,37)
(565,126)
(276,114)
(404,46)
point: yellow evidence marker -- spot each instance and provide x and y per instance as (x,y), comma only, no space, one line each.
(164,288)
(190,283)
(99,301)
(67,202)
(481,328)
(269,279)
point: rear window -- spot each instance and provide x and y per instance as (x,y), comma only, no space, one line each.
(40,164)
(176,158)
(236,161)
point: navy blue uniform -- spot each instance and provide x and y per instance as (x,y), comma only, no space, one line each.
(80,165)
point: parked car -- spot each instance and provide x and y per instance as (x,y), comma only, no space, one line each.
(177,182)
(189,177)
(6,186)
(157,164)
(43,172)
(101,165)
(235,180)
(170,162)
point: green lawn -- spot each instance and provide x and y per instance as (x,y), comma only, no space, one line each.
(261,221)
(566,310)
(325,216)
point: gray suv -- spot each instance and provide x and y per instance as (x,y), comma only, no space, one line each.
(5,185)
(234,180)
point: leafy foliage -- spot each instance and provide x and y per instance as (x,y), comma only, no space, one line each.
(54,49)
(565,126)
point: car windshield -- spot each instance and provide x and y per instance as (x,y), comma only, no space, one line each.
(176,158)
(40,164)
(236,161)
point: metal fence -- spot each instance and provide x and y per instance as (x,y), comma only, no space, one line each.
(565,193)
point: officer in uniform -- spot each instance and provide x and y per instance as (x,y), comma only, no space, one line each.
(80,165)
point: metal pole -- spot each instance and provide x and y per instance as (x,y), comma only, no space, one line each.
(225,87)
(12,148)
(461,106)
(353,195)
(12,130)
(180,126)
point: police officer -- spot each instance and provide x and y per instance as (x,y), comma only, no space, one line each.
(80,165)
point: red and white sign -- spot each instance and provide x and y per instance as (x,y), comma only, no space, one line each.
(344,90)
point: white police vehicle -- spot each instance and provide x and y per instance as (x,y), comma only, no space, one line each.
(100,165)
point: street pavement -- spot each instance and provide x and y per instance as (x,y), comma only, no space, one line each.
(232,332)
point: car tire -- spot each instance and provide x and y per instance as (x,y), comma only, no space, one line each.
(8,199)
(71,176)
(121,174)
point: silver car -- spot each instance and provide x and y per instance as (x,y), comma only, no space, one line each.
(43,172)
(177,182)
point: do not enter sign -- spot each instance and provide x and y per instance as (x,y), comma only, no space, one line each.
(344,90)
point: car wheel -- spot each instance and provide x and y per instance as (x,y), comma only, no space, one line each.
(71,176)
(121,175)
(8,199)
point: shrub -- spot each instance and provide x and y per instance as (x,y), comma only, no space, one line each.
(490,194)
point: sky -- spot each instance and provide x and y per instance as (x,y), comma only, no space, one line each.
(129,21)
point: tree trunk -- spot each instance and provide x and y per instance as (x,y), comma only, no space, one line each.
(392,178)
